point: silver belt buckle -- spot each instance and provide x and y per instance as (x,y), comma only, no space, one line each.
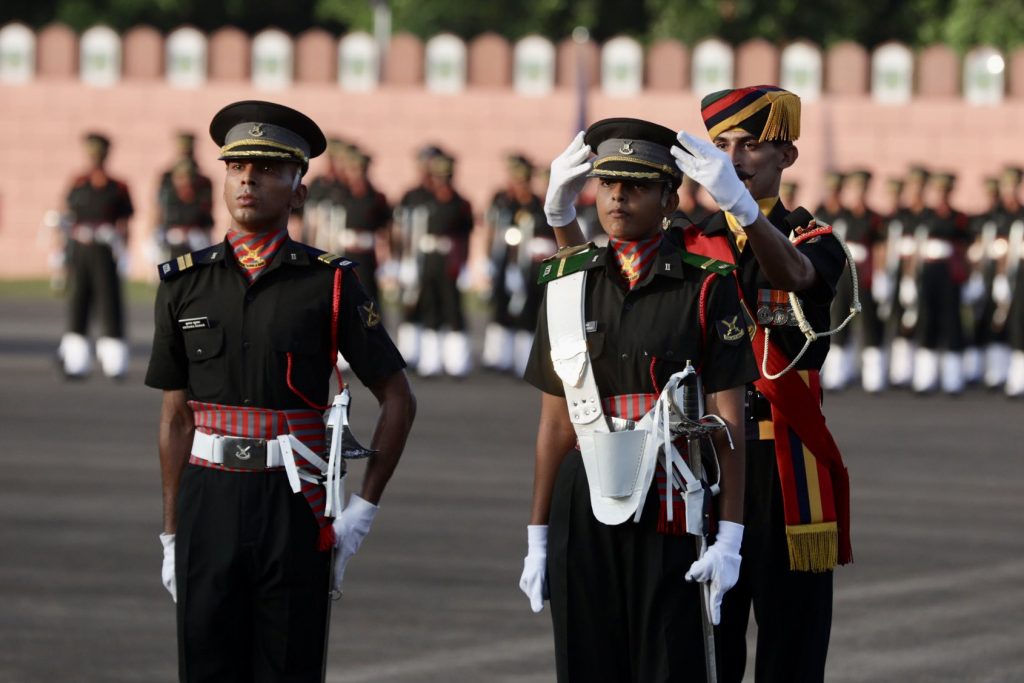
(244,454)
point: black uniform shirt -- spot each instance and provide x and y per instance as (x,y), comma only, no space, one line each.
(196,212)
(658,320)
(106,204)
(828,259)
(949,225)
(369,212)
(864,228)
(453,217)
(228,343)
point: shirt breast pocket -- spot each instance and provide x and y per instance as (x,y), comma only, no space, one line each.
(207,372)
(670,360)
(304,362)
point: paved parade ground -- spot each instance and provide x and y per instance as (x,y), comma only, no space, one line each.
(936,593)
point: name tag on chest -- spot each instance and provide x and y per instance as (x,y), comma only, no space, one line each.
(194,323)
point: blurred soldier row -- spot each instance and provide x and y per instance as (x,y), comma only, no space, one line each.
(941,293)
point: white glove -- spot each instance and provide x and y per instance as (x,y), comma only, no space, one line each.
(713,170)
(973,289)
(350,528)
(568,176)
(1001,289)
(881,289)
(720,565)
(534,581)
(167,570)
(908,291)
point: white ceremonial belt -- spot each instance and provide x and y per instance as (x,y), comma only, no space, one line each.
(999,248)
(908,245)
(435,244)
(212,447)
(358,240)
(100,233)
(858,251)
(935,249)
(259,454)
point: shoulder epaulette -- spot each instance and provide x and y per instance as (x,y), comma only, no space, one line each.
(709,264)
(569,260)
(202,257)
(330,259)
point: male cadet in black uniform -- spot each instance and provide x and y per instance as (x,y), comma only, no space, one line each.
(977,292)
(97,210)
(1009,298)
(796,510)
(184,210)
(862,229)
(327,194)
(247,332)
(367,219)
(520,240)
(410,225)
(942,237)
(442,248)
(906,310)
(621,608)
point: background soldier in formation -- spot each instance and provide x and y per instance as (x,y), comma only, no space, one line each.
(938,272)
(862,230)
(327,194)
(365,223)
(97,210)
(902,241)
(519,240)
(247,332)
(184,204)
(439,246)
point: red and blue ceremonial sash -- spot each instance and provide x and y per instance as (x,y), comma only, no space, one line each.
(260,423)
(815,483)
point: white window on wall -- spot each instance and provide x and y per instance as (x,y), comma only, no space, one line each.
(622,67)
(892,74)
(100,56)
(713,62)
(534,71)
(446,64)
(984,76)
(186,58)
(272,60)
(358,62)
(17,54)
(801,71)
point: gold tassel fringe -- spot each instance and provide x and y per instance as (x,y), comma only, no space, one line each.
(783,118)
(813,547)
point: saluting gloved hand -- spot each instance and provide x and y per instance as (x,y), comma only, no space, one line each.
(350,528)
(720,565)
(167,570)
(908,291)
(713,170)
(568,176)
(534,581)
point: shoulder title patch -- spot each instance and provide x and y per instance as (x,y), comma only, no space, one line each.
(731,331)
(169,269)
(709,264)
(569,260)
(369,314)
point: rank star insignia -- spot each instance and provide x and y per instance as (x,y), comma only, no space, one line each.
(257,130)
(626,148)
(368,311)
(730,330)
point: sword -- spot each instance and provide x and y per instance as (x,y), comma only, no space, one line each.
(691,409)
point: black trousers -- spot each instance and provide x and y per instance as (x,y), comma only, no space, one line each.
(793,610)
(940,326)
(252,588)
(440,302)
(94,283)
(622,609)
